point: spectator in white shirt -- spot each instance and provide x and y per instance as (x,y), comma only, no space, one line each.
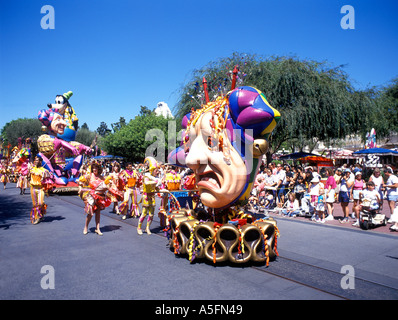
(281,182)
(377,179)
(392,188)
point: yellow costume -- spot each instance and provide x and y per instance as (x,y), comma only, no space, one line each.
(149,183)
(173,180)
(131,179)
(4,175)
(38,177)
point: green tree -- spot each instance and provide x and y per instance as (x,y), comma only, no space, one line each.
(103,129)
(118,125)
(85,126)
(385,119)
(130,141)
(21,128)
(145,111)
(85,136)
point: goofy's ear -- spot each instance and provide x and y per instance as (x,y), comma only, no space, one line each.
(260,147)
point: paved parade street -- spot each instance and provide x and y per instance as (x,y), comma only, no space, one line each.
(194,159)
(123,265)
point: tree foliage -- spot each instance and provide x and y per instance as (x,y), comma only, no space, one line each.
(21,128)
(86,136)
(386,118)
(118,125)
(103,129)
(129,140)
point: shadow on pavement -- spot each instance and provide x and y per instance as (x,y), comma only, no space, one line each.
(13,212)
(108,228)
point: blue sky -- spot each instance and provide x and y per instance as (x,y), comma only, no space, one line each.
(118,55)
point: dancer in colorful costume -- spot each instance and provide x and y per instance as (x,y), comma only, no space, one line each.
(117,186)
(97,198)
(61,155)
(223,144)
(40,181)
(22,164)
(150,185)
(83,181)
(130,178)
(172,182)
(4,172)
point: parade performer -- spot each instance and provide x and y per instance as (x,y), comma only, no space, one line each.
(57,146)
(172,182)
(40,181)
(83,181)
(97,198)
(172,179)
(22,164)
(117,186)
(223,144)
(150,185)
(4,171)
(130,179)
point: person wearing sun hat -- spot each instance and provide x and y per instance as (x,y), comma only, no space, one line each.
(313,191)
(330,188)
(150,184)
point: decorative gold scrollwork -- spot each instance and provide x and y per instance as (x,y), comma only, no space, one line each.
(251,242)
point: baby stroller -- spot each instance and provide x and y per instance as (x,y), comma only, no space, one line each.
(307,209)
(370,215)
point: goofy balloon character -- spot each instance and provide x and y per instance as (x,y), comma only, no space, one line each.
(61,155)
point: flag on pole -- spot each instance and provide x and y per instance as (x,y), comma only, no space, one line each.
(371,139)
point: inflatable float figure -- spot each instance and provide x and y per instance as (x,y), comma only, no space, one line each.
(223,143)
(61,155)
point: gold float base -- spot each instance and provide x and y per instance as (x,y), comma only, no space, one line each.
(256,241)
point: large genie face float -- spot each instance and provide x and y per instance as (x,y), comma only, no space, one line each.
(223,142)
(219,181)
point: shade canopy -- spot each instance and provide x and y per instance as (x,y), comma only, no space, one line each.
(109,156)
(344,154)
(319,161)
(296,155)
(315,159)
(376,152)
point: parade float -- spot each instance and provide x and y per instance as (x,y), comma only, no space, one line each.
(62,156)
(223,143)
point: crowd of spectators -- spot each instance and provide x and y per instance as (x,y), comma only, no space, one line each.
(292,190)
